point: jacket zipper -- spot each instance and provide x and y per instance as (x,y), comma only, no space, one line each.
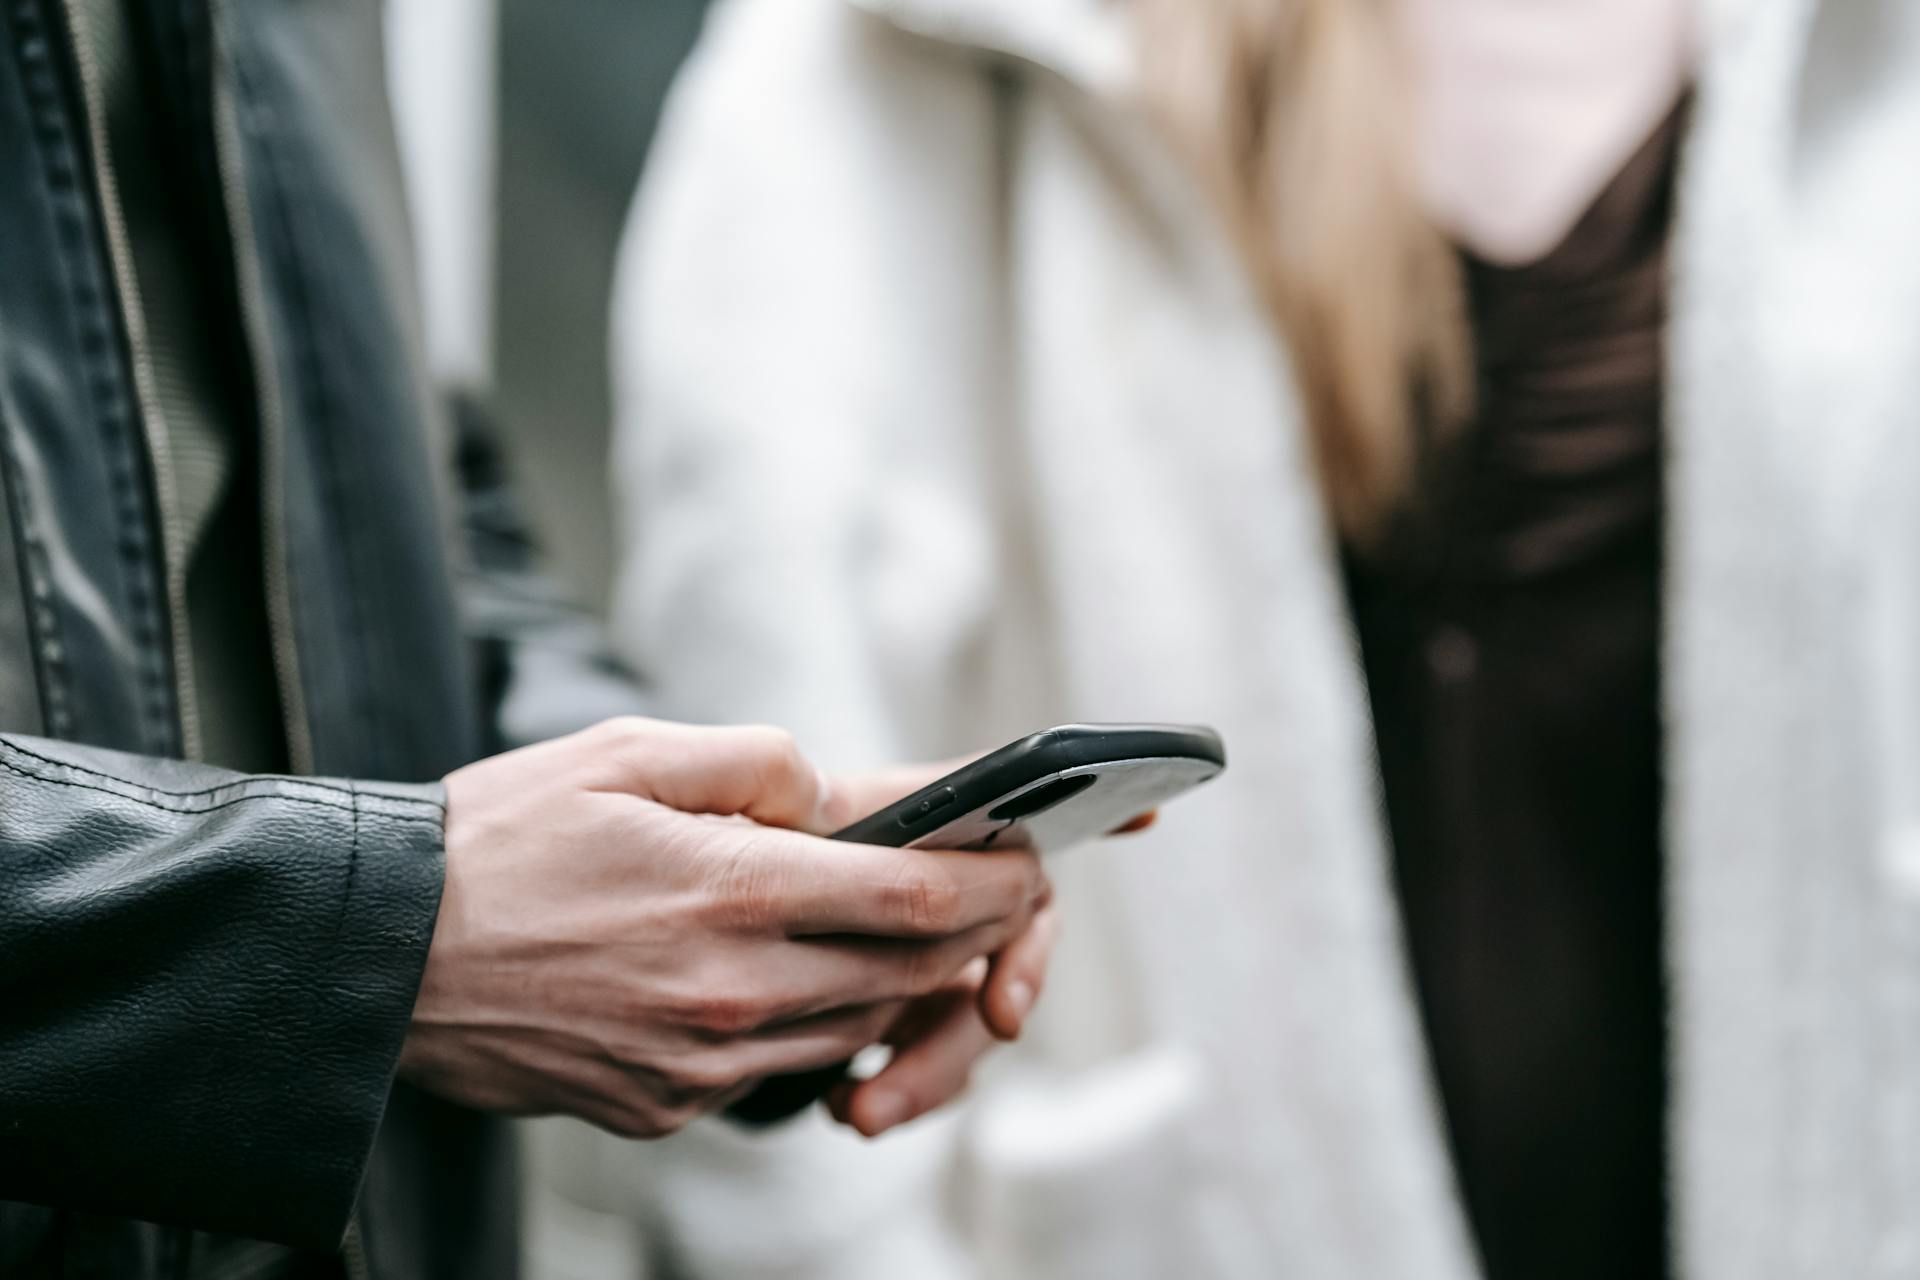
(145,383)
(272,418)
(353,1252)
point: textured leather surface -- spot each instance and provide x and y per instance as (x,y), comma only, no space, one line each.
(205,979)
(247,950)
(73,441)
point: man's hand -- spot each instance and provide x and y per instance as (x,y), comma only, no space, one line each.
(624,938)
(937,1039)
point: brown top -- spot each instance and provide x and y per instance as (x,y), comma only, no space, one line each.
(1510,631)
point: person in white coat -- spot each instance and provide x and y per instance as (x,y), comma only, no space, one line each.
(991,363)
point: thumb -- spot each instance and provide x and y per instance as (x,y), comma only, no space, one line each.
(853,796)
(751,771)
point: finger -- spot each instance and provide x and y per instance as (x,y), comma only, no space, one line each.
(1018,975)
(859,1025)
(925,1074)
(1137,825)
(750,771)
(788,1070)
(810,887)
(918,1018)
(853,796)
(829,975)
(821,1041)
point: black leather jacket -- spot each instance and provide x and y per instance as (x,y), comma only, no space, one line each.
(205,979)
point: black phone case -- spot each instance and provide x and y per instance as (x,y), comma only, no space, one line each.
(1011,769)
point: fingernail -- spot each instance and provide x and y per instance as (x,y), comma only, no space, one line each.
(886,1109)
(1020,996)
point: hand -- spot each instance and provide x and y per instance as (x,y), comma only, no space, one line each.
(623,937)
(938,1039)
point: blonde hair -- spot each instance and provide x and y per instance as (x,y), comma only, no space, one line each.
(1294,113)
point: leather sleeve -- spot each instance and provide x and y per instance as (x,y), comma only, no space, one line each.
(205,980)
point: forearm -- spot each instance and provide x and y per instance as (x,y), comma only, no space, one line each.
(207,981)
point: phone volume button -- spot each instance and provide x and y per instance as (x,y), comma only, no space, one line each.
(927,807)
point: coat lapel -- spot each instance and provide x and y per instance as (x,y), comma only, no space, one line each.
(1087,42)
(1793,684)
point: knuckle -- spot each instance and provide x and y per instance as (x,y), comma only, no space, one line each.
(1010,895)
(776,757)
(772,742)
(697,1079)
(630,1111)
(753,888)
(624,729)
(633,1124)
(1027,884)
(723,1015)
(676,1118)
(620,750)
(925,901)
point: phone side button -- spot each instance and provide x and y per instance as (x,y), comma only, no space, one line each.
(927,807)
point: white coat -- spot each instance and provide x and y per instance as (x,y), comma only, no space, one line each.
(948,414)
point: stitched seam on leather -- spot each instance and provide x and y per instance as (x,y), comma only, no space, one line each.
(147,801)
(105,383)
(353,858)
(353,868)
(12,747)
(55,702)
(313,784)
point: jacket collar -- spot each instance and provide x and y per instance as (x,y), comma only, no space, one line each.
(1087,42)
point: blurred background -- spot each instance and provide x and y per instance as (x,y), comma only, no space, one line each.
(524,124)
(1029,362)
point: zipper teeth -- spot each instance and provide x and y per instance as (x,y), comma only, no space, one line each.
(353,1252)
(273,515)
(145,384)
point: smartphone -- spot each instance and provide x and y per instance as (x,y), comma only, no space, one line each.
(1047,792)
(1051,790)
